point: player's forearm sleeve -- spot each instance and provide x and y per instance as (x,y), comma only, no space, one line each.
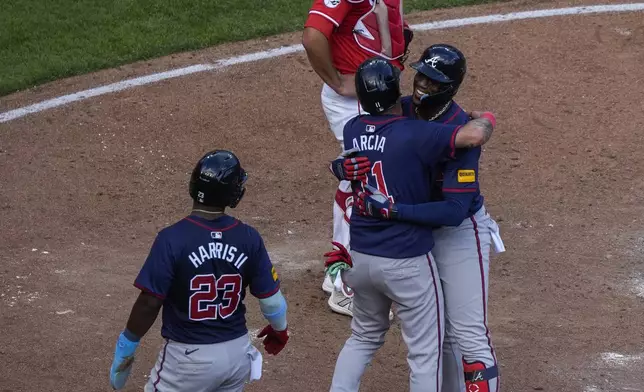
(438,213)
(274,310)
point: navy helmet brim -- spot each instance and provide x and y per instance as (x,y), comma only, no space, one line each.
(430,72)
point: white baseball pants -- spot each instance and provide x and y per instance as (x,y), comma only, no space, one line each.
(339,110)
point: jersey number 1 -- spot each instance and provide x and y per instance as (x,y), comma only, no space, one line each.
(376,172)
(201,305)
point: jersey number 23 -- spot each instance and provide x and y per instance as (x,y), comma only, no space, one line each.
(202,306)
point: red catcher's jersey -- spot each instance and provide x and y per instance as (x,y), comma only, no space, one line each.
(352,29)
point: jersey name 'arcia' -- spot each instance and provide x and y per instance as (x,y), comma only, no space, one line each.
(370,143)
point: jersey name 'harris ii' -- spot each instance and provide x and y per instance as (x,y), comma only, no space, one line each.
(201,269)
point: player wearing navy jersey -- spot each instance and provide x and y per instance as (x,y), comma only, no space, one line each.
(464,230)
(198,270)
(390,261)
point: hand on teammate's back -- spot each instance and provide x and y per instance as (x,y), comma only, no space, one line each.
(348,167)
(474,114)
(375,203)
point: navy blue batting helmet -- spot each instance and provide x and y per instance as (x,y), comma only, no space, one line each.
(444,64)
(218,180)
(377,85)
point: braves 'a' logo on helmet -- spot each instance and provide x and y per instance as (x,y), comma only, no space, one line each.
(433,61)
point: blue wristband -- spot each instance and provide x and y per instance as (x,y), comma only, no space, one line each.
(124,346)
(130,336)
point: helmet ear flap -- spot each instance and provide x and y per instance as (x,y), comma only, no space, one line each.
(237,199)
(238,195)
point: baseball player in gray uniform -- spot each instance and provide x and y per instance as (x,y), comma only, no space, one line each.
(390,260)
(464,232)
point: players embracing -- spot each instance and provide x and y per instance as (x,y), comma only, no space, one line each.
(391,260)
(463,231)
(338,36)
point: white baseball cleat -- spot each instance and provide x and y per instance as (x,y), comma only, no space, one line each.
(327,285)
(341,301)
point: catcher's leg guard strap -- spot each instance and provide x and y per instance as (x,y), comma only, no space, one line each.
(477,376)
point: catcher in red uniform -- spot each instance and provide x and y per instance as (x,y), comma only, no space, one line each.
(338,36)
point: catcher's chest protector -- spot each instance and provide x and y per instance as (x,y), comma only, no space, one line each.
(367,33)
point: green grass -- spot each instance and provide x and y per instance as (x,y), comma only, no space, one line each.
(44,40)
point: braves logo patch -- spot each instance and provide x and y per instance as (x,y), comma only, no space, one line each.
(332,3)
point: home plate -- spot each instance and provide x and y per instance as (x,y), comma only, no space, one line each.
(617,373)
(637,286)
(620,360)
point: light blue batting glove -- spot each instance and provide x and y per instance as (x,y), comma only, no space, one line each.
(123,360)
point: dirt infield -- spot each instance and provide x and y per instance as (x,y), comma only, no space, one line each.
(85,187)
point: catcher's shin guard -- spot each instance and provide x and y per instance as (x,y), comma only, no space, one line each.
(477,376)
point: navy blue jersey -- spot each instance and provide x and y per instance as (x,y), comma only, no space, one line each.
(201,269)
(402,152)
(457,177)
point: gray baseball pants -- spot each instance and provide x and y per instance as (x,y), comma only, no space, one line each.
(413,285)
(462,256)
(220,367)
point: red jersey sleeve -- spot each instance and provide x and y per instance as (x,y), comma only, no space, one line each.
(326,15)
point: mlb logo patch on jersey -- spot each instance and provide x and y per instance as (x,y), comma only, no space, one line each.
(274,273)
(466,176)
(217,235)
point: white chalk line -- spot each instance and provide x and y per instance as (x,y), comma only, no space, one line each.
(284,50)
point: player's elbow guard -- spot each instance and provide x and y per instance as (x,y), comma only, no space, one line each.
(274,310)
